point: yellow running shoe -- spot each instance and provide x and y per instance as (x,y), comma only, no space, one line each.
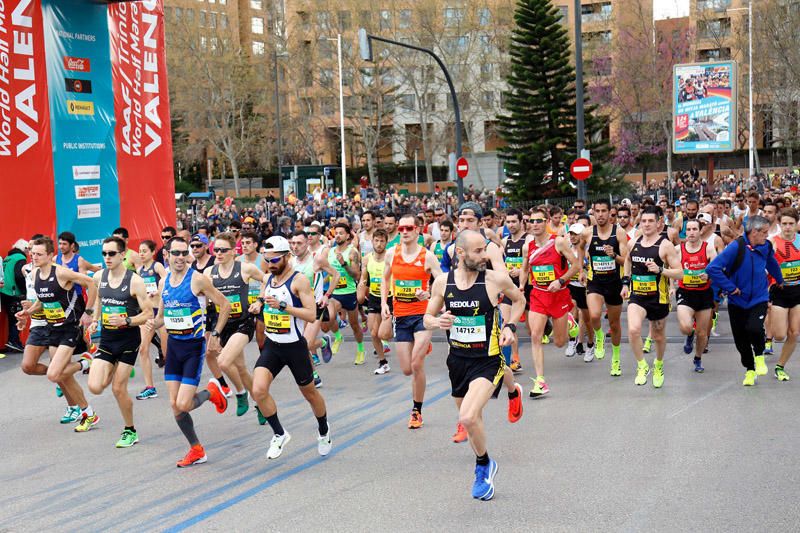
(359,358)
(87,423)
(642,371)
(658,374)
(545,339)
(749,378)
(761,366)
(781,374)
(616,370)
(599,347)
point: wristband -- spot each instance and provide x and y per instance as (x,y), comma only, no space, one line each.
(512,327)
(562,282)
(626,280)
(89,311)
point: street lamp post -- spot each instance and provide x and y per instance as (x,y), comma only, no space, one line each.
(278,124)
(580,133)
(365,46)
(341,110)
(751,142)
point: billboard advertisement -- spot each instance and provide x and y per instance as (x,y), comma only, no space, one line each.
(704,107)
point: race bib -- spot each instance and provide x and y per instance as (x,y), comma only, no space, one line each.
(178,321)
(644,285)
(405,290)
(236,305)
(375,286)
(543,274)
(252,294)
(342,283)
(150,284)
(603,263)
(277,321)
(791,272)
(691,278)
(468,329)
(53,312)
(107,311)
(513,262)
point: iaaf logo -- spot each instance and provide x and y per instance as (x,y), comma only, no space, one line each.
(77,64)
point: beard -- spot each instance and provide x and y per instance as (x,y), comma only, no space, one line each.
(474,266)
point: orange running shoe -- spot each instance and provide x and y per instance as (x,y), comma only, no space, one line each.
(196,456)
(515,405)
(415,422)
(461,433)
(430,348)
(216,396)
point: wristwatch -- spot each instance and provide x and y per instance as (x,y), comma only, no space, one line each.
(128,321)
(512,327)
(215,333)
(282,306)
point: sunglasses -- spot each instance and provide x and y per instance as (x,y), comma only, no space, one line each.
(220,250)
(274,260)
(166,237)
(197,245)
(536,221)
(406,229)
(178,253)
(109,254)
(312,233)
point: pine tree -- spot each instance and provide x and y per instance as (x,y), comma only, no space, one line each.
(539,125)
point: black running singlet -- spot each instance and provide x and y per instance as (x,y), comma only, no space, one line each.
(61,306)
(476,329)
(117,301)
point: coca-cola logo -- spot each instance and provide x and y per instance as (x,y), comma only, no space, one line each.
(77,64)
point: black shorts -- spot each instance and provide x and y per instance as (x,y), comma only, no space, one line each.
(465,370)
(787,297)
(247,327)
(185,360)
(275,355)
(38,337)
(120,348)
(348,301)
(578,293)
(655,311)
(373,304)
(697,300)
(66,335)
(610,291)
(406,326)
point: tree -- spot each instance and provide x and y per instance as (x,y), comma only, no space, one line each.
(539,123)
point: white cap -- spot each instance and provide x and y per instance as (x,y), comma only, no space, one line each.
(277,244)
(21,244)
(705,217)
(577,228)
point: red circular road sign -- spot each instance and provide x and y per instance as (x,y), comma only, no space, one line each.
(581,169)
(462,167)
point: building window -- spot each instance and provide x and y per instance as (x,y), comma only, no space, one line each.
(223,21)
(326,77)
(406,101)
(202,20)
(486,44)
(324,20)
(307,105)
(484,17)
(327,105)
(404,21)
(453,16)
(386,19)
(597,37)
(487,71)
(345,22)
(257,25)
(367,76)
(455,45)
(223,2)
(715,5)
(212,20)
(256,4)
(564,15)
(258,48)
(325,48)
(714,29)
(487,99)
(365,19)
(347,76)
(714,54)
(595,12)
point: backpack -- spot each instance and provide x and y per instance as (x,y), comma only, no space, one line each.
(740,256)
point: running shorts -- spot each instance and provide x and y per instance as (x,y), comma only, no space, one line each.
(552,304)
(246,327)
(578,293)
(276,355)
(185,360)
(697,300)
(120,348)
(654,310)
(465,370)
(406,326)
(611,291)
(787,297)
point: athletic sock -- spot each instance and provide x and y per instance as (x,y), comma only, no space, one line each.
(482,460)
(615,351)
(322,421)
(275,424)
(539,378)
(778,367)
(514,394)
(599,336)
(222,381)
(130,428)
(360,346)
(338,335)
(383,362)
(84,364)
(240,392)
(186,424)
(417,406)
(88,411)
(200,398)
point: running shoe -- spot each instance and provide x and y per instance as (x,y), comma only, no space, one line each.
(761,366)
(642,370)
(342,323)
(647,344)
(276,445)
(483,488)
(226,390)
(781,375)
(616,368)
(127,439)
(461,434)
(195,456)
(133,372)
(698,365)
(539,388)
(87,423)
(572,326)
(658,374)
(216,396)
(515,405)
(364,325)
(359,360)
(14,347)
(242,405)
(767,351)
(714,326)
(147,393)
(59,392)
(749,378)
(415,420)
(588,355)
(337,343)
(430,348)
(599,347)
(570,350)
(324,443)
(261,418)
(72,414)
(689,344)
(327,352)
(545,339)
(516,366)
(386,347)
(88,359)
(317,380)
(315,359)
(382,369)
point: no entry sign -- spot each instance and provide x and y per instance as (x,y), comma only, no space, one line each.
(581,169)
(462,167)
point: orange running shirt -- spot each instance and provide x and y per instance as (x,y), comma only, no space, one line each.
(407,278)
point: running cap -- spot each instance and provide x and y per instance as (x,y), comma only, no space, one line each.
(21,244)
(200,237)
(577,228)
(277,244)
(705,218)
(471,206)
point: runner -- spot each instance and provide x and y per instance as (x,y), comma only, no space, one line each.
(182,312)
(545,259)
(647,284)
(407,274)
(122,305)
(252,255)
(365,236)
(288,303)
(513,247)
(439,248)
(235,279)
(344,257)
(577,290)
(606,247)
(68,258)
(474,336)
(65,313)
(369,291)
(151,272)
(784,315)
(130,259)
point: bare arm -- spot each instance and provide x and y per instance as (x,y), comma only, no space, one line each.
(85,266)
(145,303)
(435,303)
(496,257)
(202,284)
(432,264)
(301,287)
(523,272)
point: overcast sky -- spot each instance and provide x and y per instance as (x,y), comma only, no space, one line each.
(663,9)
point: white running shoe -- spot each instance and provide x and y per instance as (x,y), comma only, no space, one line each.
(324,443)
(383,369)
(276,445)
(570,351)
(588,357)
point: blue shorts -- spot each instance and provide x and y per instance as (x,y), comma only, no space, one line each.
(406,326)
(348,301)
(185,360)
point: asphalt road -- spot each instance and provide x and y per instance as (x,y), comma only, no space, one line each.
(598,453)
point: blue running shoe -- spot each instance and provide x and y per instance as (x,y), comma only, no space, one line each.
(59,392)
(688,345)
(698,365)
(315,359)
(768,348)
(327,353)
(483,488)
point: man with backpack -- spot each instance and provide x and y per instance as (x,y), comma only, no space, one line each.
(740,271)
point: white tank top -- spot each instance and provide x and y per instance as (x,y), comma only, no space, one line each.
(281,327)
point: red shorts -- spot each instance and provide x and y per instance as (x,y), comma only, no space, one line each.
(552,304)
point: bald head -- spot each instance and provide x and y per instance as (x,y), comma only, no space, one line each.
(471,250)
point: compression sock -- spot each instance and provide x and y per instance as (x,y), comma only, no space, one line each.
(360,346)
(615,351)
(186,424)
(513,394)
(338,335)
(200,398)
(482,460)
(383,362)
(222,381)
(275,424)
(417,407)
(322,422)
